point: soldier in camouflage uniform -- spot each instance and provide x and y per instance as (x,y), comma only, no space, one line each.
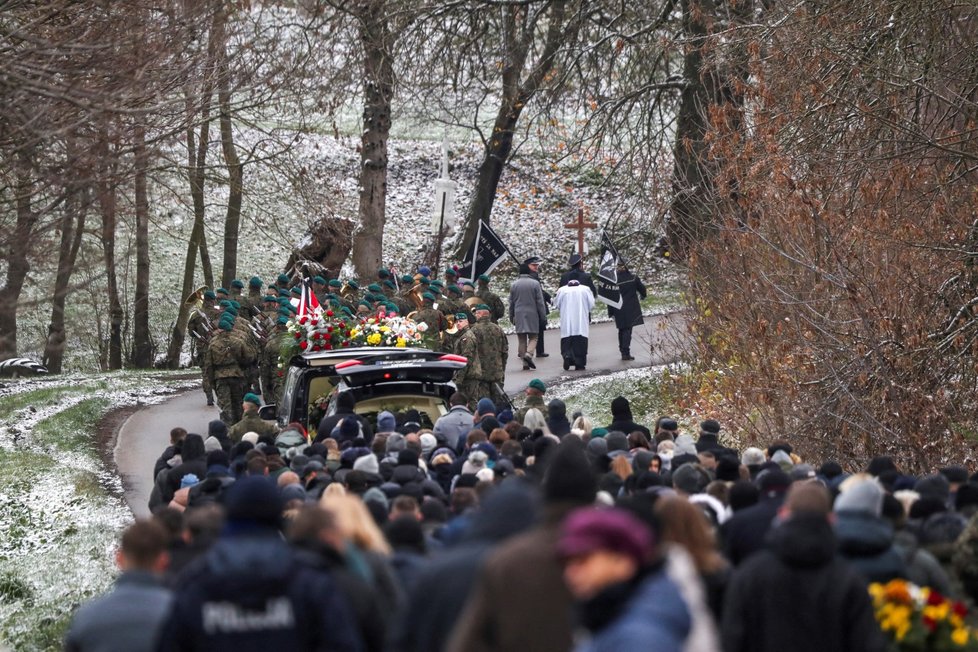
(449,340)
(486,347)
(252,304)
(237,285)
(491,299)
(222,366)
(454,294)
(202,323)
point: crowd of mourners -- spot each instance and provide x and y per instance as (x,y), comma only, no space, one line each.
(538,530)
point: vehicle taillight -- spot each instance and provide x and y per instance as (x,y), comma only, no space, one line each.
(451,357)
(347,364)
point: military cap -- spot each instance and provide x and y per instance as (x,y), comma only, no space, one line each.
(533,260)
(407,278)
(389,283)
(319,279)
(268,298)
(254,282)
(209,294)
(392,308)
(235,304)
(574,259)
(252,398)
(480,306)
(428,296)
(297,291)
(225,325)
(272,289)
(373,287)
(461,315)
(335,283)
(283,279)
(334,302)
(284,312)
(383,272)
(436,283)
(284,301)
(538,385)
(225,303)
(455,289)
(467,284)
(231,310)
(484,278)
(451,272)
(353,284)
(282,320)
(237,283)
(366,303)
(222,291)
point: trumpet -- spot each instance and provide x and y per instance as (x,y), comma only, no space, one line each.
(347,292)
(472,302)
(196,298)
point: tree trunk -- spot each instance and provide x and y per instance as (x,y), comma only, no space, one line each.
(232,221)
(375,36)
(17,263)
(142,344)
(107,168)
(76,206)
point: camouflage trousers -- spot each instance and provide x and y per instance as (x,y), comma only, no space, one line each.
(208,389)
(477,389)
(230,392)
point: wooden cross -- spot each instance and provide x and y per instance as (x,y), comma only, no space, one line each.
(580,225)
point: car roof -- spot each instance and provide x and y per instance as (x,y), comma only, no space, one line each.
(334,357)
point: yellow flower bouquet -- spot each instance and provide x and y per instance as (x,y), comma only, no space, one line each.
(921,619)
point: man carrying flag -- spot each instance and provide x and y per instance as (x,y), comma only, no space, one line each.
(484,254)
(622,291)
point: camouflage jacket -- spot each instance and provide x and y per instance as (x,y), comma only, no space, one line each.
(496,305)
(251,422)
(532,402)
(493,349)
(434,318)
(224,357)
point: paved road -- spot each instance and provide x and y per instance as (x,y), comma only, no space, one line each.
(146,433)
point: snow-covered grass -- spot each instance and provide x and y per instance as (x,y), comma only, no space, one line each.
(592,395)
(61,508)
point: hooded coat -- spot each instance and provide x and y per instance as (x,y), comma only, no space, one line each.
(829,606)
(621,418)
(345,404)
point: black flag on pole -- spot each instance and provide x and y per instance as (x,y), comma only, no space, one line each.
(607,279)
(485,253)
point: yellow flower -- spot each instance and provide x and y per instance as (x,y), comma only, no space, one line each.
(385,329)
(960,636)
(373,339)
(401,343)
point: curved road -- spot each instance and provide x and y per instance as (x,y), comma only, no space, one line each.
(146,433)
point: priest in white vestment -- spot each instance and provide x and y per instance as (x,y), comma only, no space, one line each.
(574,302)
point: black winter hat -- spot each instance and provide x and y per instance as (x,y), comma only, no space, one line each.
(879,464)
(217,428)
(830,470)
(932,485)
(773,480)
(742,494)
(405,532)
(620,408)
(568,477)
(669,424)
(218,457)
(407,457)
(711,426)
(926,506)
(966,496)
(349,428)
(955,474)
(254,499)
(728,469)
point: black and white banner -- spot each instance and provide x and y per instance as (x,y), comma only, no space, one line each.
(485,253)
(607,277)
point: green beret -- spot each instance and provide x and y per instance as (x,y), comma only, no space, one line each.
(369,296)
(334,302)
(231,310)
(451,272)
(383,272)
(389,283)
(283,320)
(424,280)
(225,325)
(222,291)
(436,283)
(225,303)
(284,301)
(283,279)
(373,287)
(238,283)
(599,432)
(334,283)
(484,278)
(209,294)
(392,308)
(284,312)
(353,284)
(270,298)
(538,385)
(235,305)
(455,289)
(461,315)
(272,289)
(428,296)
(365,303)
(467,284)
(480,306)
(319,279)
(252,398)
(407,278)
(297,291)
(254,282)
